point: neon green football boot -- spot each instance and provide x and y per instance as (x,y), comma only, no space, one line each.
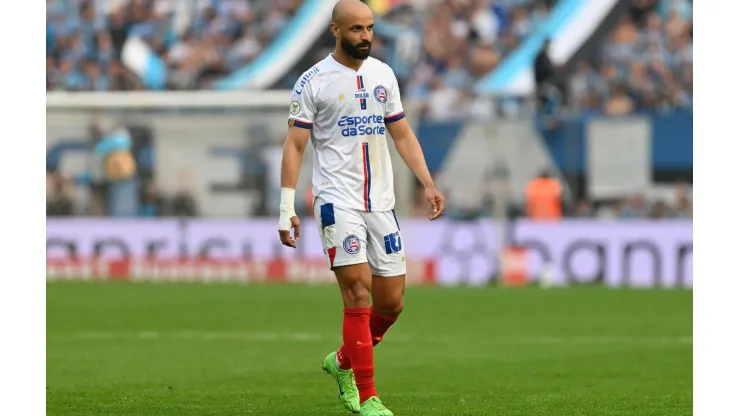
(374,407)
(348,393)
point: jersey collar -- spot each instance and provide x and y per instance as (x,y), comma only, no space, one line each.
(346,68)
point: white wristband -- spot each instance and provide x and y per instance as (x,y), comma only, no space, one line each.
(287,208)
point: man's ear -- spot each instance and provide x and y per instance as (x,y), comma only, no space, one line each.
(334,29)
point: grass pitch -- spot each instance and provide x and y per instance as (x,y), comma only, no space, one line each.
(179,349)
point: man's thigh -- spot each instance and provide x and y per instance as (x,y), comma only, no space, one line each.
(343,234)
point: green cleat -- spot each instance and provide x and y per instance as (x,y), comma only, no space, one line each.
(348,394)
(373,407)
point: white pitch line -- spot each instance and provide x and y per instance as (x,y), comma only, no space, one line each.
(315,337)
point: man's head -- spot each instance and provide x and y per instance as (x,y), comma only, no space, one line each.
(352,27)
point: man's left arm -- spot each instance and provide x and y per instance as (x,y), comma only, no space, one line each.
(410,150)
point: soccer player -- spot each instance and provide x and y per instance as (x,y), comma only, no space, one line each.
(344,104)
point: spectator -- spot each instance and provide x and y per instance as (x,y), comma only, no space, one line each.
(96,80)
(120,173)
(544,195)
(183,205)
(122,79)
(659,211)
(544,71)
(584,209)
(105,51)
(153,204)
(53,75)
(58,196)
(633,208)
(683,207)
(70,76)
(619,103)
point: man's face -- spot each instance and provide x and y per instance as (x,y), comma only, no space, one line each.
(356,38)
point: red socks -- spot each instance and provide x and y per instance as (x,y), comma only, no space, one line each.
(358,347)
(379,325)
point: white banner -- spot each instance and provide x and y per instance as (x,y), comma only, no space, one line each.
(630,253)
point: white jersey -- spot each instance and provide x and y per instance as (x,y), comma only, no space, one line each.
(347,112)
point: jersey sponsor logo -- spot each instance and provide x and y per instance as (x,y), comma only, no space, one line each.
(351,244)
(380,94)
(362,125)
(295,107)
(392,243)
(304,80)
(361,94)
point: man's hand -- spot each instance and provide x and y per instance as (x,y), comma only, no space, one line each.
(410,150)
(285,227)
(288,218)
(436,200)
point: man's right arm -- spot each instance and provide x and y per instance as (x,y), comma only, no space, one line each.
(300,122)
(295,145)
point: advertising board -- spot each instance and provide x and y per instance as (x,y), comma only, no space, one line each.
(446,252)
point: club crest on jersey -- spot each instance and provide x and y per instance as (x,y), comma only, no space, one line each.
(361,93)
(381,94)
(351,244)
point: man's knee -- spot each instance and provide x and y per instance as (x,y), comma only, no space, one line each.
(355,287)
(356,294)
(391,306)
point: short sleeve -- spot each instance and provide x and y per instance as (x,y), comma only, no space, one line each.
(302,106)
(394,108)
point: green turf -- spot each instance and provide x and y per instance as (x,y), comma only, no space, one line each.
(147,349)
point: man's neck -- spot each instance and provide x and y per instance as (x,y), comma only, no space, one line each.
(340,56)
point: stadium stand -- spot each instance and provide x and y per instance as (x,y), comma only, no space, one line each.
(646,63)
(461,42)
(199,41)
(211,38)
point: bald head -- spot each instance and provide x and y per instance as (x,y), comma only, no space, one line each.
(352,26)
(348,10)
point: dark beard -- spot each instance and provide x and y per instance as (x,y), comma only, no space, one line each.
(354,51)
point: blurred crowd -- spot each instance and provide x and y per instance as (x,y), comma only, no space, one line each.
(638,206)
(461,41)
(198,40)
(664,205)
(646,63)
(67,196)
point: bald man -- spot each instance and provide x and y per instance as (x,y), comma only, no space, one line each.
(345,104)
